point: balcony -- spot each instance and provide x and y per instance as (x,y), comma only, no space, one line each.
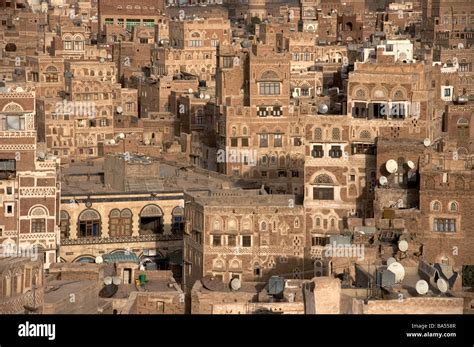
(122,239)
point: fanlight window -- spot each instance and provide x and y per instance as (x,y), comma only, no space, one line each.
(323,179)
(270,76)
(436,206)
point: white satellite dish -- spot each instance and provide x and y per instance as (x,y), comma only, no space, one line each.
(442,285)
(112,142)
(116,280)
(147,142)
(427,142)
(99,259)
(19,89)
(235,284)
(201,96)
(398,270)
(403,245)
(109,56)
(422,287)
(411,164)
(383,180)
(121,136)
(190,90)
(323,108)
(391,166)
(119,109)
(41,155)
(102,60)
(391,260)
(108,280)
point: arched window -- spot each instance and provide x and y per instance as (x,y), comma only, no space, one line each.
(453,206)
(89,224)
(67,43)
(244,131)
(333,222)
(436,206)
(64,224)
(38,216)
(232,224)
(120,223)
(317,222)
(78,43)
(323,179)
(263,226)
(151,220)
(234,131)
(246,224)
(178,219)
(51,74)
(336,134)
(216,225)
(318,134)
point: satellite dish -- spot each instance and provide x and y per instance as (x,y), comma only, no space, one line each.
(398,270)
(147,142)
(190,90)
(403,245)
(323,108)
(41,155)
(108,280)
(442,285)
(383,180)
(121,136)
(19,89)
(212,283)
(99,260)
(422,287)
(102,60)
(116,280)
(427,142)
(391,260)
(112,142)
(119,109)
(411,164)
(109,56)
(294,94)
(391,166)
(235,284)
(201,96)
(108,291)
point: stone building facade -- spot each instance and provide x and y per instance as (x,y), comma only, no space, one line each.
(243,234)
(192,47)
(29,190)
(21,284)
